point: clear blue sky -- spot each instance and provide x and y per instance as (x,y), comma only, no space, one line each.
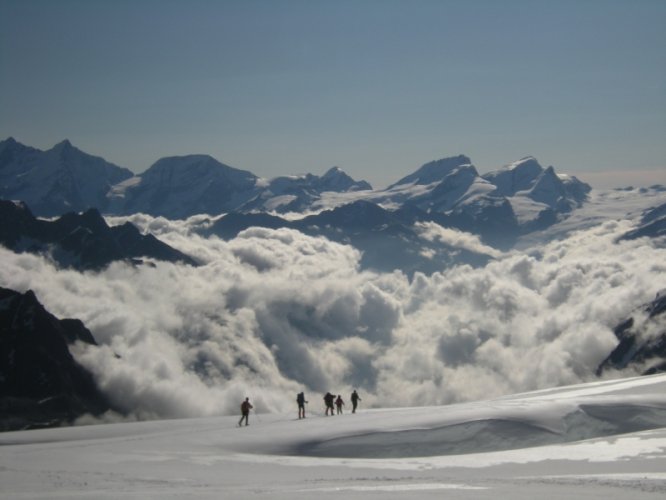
(375,87)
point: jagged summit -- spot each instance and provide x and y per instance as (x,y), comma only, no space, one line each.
(79,241)
(41,384)
(11,146)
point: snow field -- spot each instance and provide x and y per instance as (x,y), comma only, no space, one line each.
(599,440)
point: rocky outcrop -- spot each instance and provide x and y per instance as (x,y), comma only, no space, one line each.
(79,241)
(642,340)
(41,384)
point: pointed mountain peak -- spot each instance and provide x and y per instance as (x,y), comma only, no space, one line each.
(65,147)
(10,144)
(333,172)
(336,179)
(10,148)
(548,188)
(65,144)
(434,171)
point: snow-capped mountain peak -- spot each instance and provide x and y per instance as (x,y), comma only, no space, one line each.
(336,179)
(514,177)
(434,171)
(56,181)
(178,186)
(333,171)
(548,188)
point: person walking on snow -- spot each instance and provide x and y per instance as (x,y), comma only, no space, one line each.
(328,401)
(354,399)
(300,399)
(245,412)
(339,403)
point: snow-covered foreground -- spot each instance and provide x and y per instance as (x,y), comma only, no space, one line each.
(599,440)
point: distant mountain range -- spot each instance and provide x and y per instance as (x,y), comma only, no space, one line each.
(498,206)
(65,179)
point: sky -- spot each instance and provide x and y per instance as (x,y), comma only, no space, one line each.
(377,88)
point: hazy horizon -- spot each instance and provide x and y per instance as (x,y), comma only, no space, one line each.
(377,88)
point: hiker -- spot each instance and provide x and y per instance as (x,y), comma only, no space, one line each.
(354,399)
(339,403)
(328,401)
(245,412)
(300,399)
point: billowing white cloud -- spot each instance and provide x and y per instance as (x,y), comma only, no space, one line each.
(273,312)
(455,238)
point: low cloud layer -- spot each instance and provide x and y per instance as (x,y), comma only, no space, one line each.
(274,312)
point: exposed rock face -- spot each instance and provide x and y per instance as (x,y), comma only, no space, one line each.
(41,384)
(79,241)
(642,339)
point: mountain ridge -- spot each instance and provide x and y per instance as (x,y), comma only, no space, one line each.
(180,186)
(80,241)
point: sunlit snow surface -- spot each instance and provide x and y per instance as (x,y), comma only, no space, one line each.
(599,440)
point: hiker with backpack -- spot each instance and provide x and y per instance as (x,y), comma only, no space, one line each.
(300,399)
(245,412)
(328,402)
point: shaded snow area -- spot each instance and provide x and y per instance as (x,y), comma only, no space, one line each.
(597,440)
(602,206)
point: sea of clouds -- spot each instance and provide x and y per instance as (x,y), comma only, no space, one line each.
(274,312)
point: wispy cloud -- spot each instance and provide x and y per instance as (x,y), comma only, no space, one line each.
(457,239)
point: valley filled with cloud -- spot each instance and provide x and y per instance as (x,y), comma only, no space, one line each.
(272,312)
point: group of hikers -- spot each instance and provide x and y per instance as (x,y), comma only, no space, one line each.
(329,402)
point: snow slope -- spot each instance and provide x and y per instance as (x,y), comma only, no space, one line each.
(600,440)
(602,206)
